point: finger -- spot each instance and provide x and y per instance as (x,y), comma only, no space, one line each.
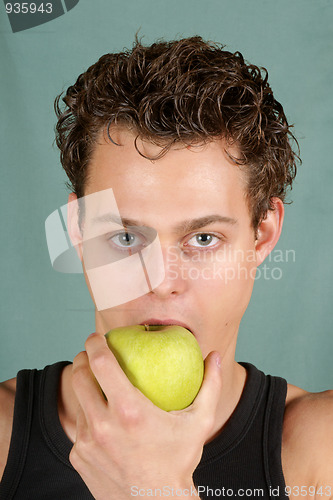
(81,425)
(208,397)
(107,370)
(86,388)
(78,455)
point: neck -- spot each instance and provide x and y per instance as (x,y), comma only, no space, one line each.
(233,380)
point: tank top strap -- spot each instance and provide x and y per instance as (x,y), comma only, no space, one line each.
(272,438)
(35,401)
(23,410)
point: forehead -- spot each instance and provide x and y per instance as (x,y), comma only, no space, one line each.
(187,181)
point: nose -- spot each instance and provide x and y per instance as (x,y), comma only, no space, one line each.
(174,282)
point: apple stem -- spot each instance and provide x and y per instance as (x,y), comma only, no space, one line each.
(147,328)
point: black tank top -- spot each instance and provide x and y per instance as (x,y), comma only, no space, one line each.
(244,460)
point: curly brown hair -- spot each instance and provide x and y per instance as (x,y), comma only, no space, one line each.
(185,91)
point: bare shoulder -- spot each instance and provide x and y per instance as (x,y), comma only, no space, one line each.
(307,440)
(7,399)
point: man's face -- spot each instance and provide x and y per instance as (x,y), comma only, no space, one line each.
(194,198)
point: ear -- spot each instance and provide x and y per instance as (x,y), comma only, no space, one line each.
(269,230)
(73,224)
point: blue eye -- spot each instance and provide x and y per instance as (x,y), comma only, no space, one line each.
(125,240)
(203,240)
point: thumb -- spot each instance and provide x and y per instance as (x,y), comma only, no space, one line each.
(209,394)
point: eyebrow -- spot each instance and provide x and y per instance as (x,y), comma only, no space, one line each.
(184,226)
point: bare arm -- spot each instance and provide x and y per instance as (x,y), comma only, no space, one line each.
(307,446)
(7,399)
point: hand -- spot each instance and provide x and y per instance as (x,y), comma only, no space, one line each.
(126,442)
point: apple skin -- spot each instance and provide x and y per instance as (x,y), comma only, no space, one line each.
(164,362)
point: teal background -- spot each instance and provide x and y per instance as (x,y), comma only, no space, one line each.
(46,316)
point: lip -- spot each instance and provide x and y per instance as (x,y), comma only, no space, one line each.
(169,321)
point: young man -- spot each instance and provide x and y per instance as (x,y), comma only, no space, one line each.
(193,147)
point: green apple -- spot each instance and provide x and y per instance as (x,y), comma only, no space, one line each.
(164,362)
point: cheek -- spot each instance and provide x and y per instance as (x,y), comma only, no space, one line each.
(115,317)
(224,285)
